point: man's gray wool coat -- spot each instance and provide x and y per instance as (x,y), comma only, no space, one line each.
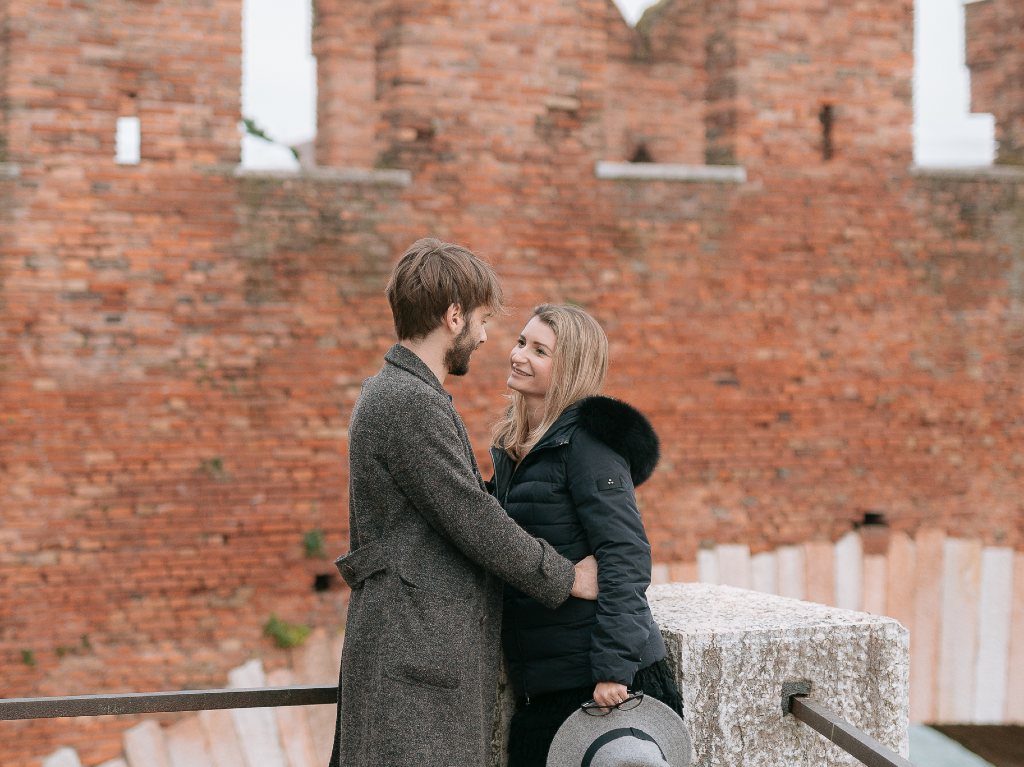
(429,548)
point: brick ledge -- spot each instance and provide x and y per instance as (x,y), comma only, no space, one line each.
(381,177)
(970,172)
(656,171)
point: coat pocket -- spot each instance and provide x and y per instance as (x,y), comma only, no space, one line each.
(429,636)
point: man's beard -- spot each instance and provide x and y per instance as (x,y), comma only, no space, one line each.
(456,359)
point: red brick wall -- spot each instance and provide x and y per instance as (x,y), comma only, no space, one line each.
(73,69)
(795,58)
(656,86)
(345,40)
(4,51)
(182,348)
(995,55)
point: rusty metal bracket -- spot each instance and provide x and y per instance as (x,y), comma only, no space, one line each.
(790,689)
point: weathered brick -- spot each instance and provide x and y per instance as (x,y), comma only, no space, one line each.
(180,348)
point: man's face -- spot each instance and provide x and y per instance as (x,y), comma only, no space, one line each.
(473,333)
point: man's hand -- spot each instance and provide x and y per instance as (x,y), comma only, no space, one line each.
(585,585)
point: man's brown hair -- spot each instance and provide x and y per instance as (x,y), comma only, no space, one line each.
(431,276)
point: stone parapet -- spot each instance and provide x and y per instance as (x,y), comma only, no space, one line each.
(734,649)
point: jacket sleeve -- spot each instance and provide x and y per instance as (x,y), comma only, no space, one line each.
(425,455)
(602,491)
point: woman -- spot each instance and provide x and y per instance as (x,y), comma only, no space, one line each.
(566,461)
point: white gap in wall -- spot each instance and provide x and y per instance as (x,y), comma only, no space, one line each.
(946,132)
(278,81)
(128,141)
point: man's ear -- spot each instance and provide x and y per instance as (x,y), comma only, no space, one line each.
(454,318)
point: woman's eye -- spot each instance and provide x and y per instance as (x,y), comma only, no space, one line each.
(540,352)
(520,342)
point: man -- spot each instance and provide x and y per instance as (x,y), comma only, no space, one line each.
(429,546)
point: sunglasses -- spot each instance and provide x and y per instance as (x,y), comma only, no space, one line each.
(591,708)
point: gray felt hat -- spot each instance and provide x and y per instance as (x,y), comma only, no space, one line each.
(650,735)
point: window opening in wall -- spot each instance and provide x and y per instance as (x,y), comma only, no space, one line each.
(642,154)
(322,582)
(946,133)
(128,141)
(278,84)
(826,116)
(874,518)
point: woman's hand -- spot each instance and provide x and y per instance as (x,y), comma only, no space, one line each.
(607,694)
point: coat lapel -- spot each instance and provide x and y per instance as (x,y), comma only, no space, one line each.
(408,361)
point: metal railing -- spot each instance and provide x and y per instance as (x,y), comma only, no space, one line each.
(852,740)
(855,742)
(162,702)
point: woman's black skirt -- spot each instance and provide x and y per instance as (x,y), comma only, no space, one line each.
(534,725)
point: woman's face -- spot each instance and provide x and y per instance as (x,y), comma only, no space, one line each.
(531,360)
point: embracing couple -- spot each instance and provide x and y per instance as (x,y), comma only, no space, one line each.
(548,561)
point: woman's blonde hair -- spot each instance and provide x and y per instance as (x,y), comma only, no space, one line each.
(579,366)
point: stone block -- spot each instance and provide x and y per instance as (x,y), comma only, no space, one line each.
(225,749)
(145,746)
(734,565)
(187,744)
(791,572)
(958,647)
(256,727)
(820,572)
(764,572)
(994,619)
(928,581)
(294,725)
(317,663)
(1015,663)
(849,563)
(734,649)
(62,757)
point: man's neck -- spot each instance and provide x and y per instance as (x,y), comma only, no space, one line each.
(431,352)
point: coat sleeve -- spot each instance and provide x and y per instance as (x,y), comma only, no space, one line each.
(425,455)
(605,501)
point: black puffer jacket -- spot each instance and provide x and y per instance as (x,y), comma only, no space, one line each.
(575,490)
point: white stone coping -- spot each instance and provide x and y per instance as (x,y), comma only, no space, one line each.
(661,171)
(9,170)
(375,176)
(703,608)
(970,172)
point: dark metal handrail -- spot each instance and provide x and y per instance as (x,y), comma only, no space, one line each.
(161,702)
(852,740)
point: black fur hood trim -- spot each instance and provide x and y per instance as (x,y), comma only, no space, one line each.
(625,430)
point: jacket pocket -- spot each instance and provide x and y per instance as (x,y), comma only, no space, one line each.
(429,636)
(356,566)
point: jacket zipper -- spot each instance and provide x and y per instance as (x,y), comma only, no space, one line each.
(522,673)
(504,500)
(533,452)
